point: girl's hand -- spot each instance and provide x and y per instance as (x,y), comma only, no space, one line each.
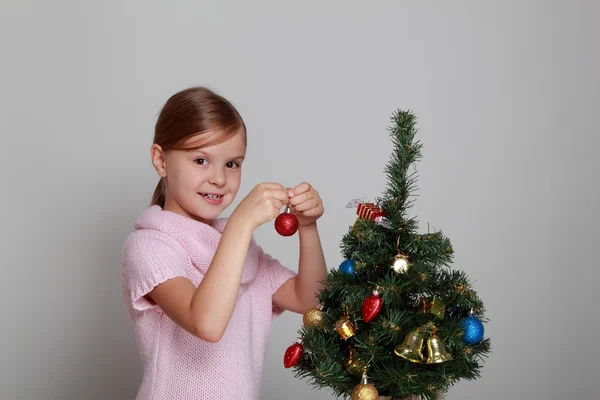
(261,205)
(306,204)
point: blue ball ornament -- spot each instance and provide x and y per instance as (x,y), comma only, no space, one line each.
(347,267)
(472,330)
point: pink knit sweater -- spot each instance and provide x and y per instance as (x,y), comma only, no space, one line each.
(177,365)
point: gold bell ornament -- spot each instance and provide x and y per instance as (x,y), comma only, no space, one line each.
(365,390)
(412,347)
(436,351)
(313,317)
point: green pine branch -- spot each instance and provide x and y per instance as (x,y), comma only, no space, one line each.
(407,297)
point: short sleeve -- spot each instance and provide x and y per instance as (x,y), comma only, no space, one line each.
(278,275)
(150,258)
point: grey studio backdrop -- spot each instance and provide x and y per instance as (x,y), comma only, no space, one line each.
(506,95)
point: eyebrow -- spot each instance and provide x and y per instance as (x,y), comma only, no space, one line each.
(201,151)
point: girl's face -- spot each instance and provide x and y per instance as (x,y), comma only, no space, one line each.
(201,183)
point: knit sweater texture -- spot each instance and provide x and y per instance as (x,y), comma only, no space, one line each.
(176,364)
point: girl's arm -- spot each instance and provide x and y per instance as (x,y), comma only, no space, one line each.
(205,311)
(299,294)
(312,269)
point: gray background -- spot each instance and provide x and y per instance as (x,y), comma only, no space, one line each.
(506,93)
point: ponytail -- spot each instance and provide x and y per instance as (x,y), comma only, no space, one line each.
(158,198)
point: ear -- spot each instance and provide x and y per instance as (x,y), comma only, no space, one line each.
(158,160)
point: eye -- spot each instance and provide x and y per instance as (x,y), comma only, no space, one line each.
(233,164)
(200,161)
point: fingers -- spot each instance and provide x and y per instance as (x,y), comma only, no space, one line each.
(313,212)
(298,199)
(307,205)
(277,204)
(301,188)
(279,194)
(305,197)
(271,191)
(306,202)
(271,185)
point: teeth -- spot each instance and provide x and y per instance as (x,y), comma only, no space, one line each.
(212,196)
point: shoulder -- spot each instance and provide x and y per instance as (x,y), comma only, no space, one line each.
(150,244)
(148,238)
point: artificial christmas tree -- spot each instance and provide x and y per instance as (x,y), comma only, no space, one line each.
(395,320)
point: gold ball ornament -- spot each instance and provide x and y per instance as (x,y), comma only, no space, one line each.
(365,391)
(400,264)
(313,317)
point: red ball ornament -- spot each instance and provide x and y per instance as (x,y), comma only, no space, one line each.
(371,306)
(286,223)
(293,354)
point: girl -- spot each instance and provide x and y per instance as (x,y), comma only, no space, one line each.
(200,292)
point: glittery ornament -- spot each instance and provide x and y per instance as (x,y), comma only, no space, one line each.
(472,330)
(364,390)
(371,306)
(313,317)
(347,267)
(286,223)
(293,354)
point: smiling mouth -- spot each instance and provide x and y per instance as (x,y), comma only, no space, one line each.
(211,196)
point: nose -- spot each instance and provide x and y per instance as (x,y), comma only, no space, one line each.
(217,177)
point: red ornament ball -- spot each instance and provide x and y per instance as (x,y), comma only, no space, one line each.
(286,223)
(293,354)
(371,306)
